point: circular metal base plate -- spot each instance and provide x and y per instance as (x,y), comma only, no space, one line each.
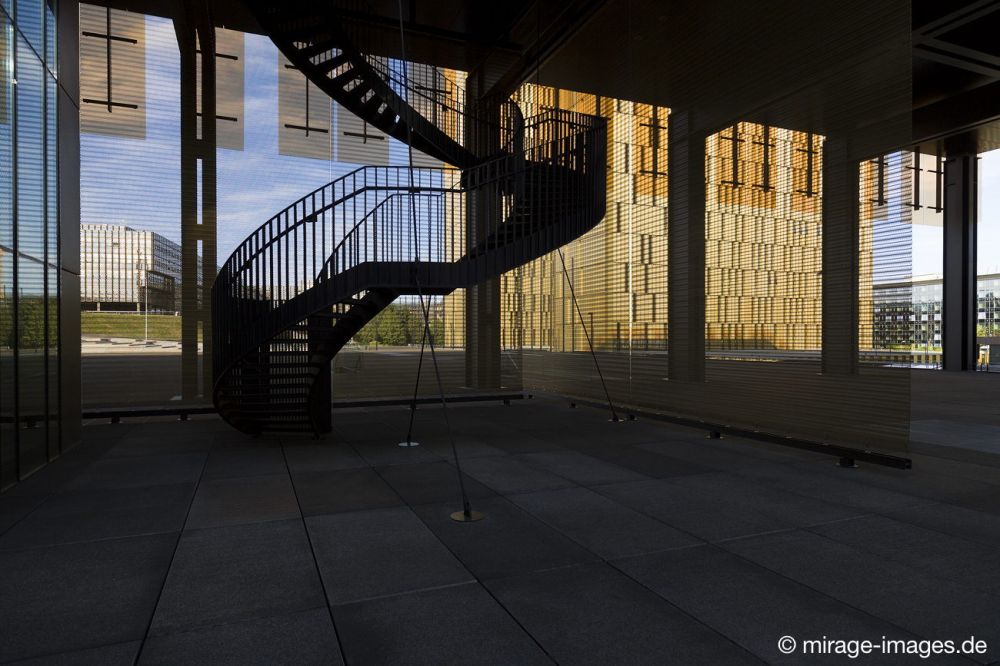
(471,517)
(407,445)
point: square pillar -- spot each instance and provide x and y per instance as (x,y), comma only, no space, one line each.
(686,250)
(68,114)
(482,300)
(840,259)
(196,42)
(959,307)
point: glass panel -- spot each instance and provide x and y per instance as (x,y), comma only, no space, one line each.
(51,200)
(31,365)
(618,270)
(8,441)
(52,359)
(51,43)
(988,262)
(30,153)
(30,22)
(8,455)
(902,255)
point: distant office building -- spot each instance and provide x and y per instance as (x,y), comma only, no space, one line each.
(122,268)
(908,314)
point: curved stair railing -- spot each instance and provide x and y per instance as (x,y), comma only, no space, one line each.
(306,281)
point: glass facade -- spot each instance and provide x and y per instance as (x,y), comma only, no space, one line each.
(29,239)
(901,250)
(277,138)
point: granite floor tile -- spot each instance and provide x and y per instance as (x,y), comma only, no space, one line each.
(830,483)
(240,572)
(603,526)
(722,506)
(723,591)
(72,597)
(380,552)
(648,463)
(102,514)
(141,471)
(304,638)
(469,445)
(430,483)
(968,524)
(506,475)
(323,456)
(248,499)
(593,614)
(232,462)
(705,454)
(13,509)
(119,654)
(928,550)
(388,452)
(928,606)
(461,624)
(343,490)
(508,541)
(580,468)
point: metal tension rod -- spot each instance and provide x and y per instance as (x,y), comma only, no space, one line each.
(416,242)
(466,515)
(416,388)
(586,333)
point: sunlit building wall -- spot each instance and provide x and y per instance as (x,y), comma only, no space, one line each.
(763,235)
(763,242)
(618,270)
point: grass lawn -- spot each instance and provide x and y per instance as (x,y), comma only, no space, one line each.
(130,325)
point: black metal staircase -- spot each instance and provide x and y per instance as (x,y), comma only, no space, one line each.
(306,281)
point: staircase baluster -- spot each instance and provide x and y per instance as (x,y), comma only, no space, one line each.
(523,201)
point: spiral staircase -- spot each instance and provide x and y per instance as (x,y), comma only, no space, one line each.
(307,280)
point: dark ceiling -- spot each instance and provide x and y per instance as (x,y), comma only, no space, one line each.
(887,73)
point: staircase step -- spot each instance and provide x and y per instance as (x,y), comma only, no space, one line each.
(287,364)
(332,64)
(354,95)
(344,78)
(310,329)
(370,108)
(319,47)
(263,407)
(333,315)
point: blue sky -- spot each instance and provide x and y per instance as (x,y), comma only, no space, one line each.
(137,182)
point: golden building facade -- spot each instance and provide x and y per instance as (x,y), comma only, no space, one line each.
(763,239)
(763,232)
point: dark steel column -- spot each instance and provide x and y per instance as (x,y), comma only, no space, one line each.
(959,307)
(686,250)
(196,41)
(320,330)
(68,113)
(840,259)
(482,301)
